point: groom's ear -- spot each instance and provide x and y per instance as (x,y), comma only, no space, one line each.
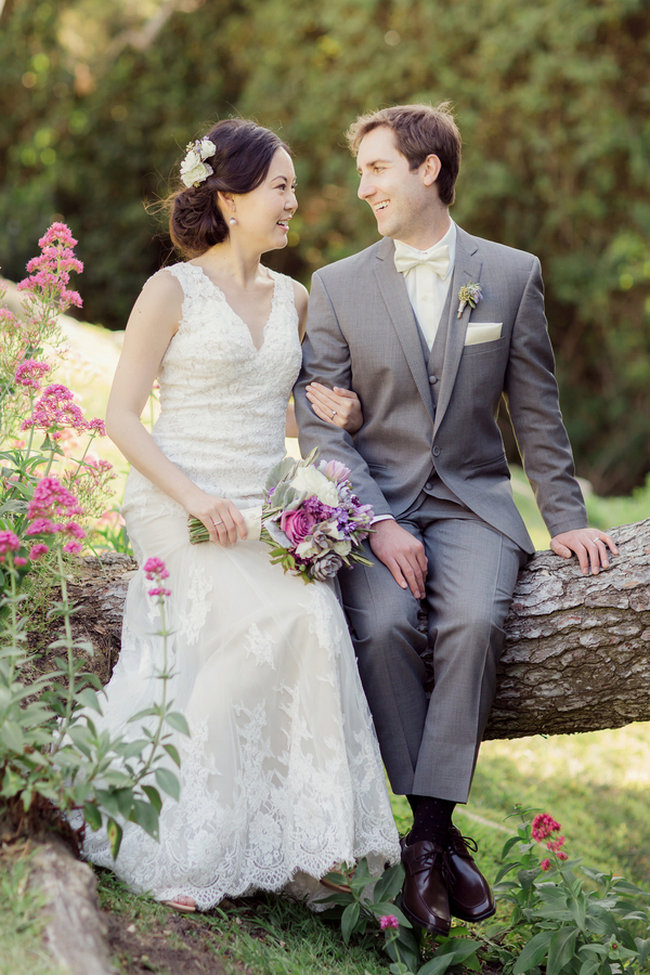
(430,169)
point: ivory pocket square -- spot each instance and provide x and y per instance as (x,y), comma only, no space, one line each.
(478,332)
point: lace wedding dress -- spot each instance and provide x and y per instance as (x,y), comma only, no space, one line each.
(281,777)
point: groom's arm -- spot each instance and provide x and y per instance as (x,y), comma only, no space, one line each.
(326,359)
(532,398)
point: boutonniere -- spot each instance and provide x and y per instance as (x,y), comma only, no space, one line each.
(469,294)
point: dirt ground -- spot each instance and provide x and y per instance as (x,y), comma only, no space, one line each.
(140,952)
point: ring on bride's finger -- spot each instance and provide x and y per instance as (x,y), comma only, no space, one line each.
(333,413)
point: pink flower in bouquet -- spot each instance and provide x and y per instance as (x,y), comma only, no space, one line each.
(335,471)
(297,524)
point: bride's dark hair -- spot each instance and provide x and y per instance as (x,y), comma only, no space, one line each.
(244,151)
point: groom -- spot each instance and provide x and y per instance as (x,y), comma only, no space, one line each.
(433,328)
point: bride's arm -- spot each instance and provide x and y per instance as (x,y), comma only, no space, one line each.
(150,328)
(338,406)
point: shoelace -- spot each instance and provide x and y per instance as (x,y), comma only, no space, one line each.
(462,844)
(430,859)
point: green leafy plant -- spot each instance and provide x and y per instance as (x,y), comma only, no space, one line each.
(366,906)
(568,919)
(57,764)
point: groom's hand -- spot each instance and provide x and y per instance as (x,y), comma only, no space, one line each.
(588,544)
(402,554)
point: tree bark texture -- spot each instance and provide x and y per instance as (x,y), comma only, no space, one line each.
(577,648)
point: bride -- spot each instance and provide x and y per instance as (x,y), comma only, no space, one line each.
(281,776)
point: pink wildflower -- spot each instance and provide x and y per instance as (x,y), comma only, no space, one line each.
(543,825)
(72,528)
(155,569)
(74,548)
(7,320)
(545,864)
(20,561)
(49,273)
(160,591)
(56,410)
(30,372)
(97,426)
(388,921)
(57,233)
(8,542)
(51,499)
(37,550)
(555,845)
(43,526)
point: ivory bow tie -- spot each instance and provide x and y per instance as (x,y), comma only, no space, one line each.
(437,259)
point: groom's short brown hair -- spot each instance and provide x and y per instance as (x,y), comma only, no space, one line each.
(420,130)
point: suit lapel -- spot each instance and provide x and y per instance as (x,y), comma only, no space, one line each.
(393,291)
(467,269)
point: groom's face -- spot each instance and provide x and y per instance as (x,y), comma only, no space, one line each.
(399,197)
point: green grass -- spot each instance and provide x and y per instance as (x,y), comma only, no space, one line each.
(595,785)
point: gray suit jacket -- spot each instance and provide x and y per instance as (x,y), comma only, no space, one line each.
(362,334)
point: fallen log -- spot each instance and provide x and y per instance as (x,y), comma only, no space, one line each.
(577,649)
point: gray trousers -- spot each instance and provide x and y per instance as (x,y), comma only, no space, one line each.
(430,746)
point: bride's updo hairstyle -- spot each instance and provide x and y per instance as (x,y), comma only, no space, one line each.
(242,157)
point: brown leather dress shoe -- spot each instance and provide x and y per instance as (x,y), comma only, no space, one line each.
(470,897)
(424,895)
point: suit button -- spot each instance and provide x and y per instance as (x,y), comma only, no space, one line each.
(436,451)
(433,380)
(429,485)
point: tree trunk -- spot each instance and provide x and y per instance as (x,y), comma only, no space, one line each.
(576,654)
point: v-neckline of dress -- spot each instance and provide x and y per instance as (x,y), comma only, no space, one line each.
(222,294)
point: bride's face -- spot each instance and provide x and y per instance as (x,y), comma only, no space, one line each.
(263,215)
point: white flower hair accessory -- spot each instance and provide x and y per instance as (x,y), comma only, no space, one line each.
(193,168)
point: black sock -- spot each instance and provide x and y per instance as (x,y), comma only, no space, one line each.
(431,819)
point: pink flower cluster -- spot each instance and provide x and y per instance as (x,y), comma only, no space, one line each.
(49,273)
(30,372)
(56,410)
(542,828)
(50,512)
(10,543)
(388,921)
(155,570)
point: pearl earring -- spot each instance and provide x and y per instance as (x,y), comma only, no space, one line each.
(232,221)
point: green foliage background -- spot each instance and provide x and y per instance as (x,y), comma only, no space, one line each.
(553,99)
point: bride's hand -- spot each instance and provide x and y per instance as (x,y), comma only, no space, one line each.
(338,406)
(223,520)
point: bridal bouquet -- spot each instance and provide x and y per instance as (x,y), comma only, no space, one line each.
(310,518)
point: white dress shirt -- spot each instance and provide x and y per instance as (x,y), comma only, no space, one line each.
(427,292)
